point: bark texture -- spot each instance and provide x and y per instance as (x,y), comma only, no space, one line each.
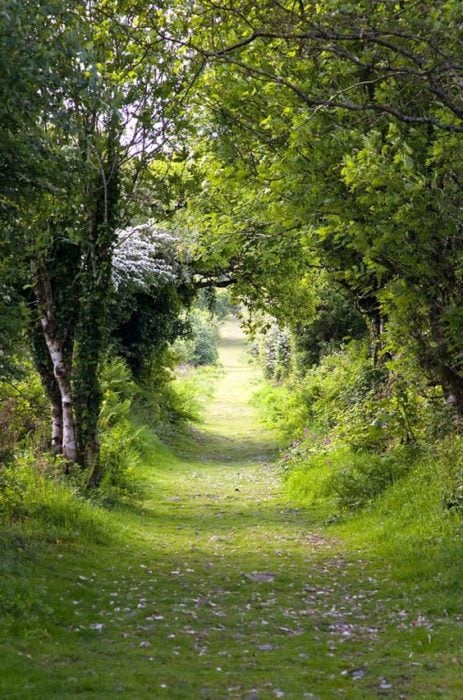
(62,412)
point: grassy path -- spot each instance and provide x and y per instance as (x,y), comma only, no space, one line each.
(217,588)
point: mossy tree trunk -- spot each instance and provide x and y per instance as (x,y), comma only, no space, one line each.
(92,329)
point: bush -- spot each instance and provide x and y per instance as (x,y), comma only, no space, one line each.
(345,400)
(201,348)
(121,442)
(448,456)
(333,398)
(11,496)
(341,396)
(272,348)
(24,414)
(218,302)
(283,410)
(162,401)
(351,480)
(332,321)
(193,390)
(365,476)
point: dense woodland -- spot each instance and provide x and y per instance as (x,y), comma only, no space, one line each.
(297,163)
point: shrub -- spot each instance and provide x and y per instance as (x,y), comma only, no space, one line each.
(352,480)
(365,476)
(272,349)
(307,483)
(283,410)
(201,348)
(166,398)
(333,320)
(193,390)
(448,457)
(332,398)
(24,414)
(218,302)
(345,400)
(276,353)
(121,441)
(11,495)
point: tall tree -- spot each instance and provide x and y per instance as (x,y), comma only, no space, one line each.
(108,103)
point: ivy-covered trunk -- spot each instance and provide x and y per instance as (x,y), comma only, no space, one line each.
(92,329)
(441,356)
(91,344)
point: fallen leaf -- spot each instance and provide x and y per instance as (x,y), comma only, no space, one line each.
(261,577)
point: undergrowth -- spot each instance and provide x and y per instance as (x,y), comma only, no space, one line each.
(43,498)
(214,586)
(381,461)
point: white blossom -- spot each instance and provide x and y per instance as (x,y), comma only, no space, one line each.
(144,255)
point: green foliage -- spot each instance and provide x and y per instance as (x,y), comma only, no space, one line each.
(346,400)
(354,480)
(331,166)
(23,414)
(192,391)
(168,396)
(11,495)
(449,467)
(334,321)
(214,529)
(327,184)
(12,318)
(201,347)
(158,402)
(121,442)
(362,476)
(282,409)
(358,429)
(273,350)
(145,322)
(150,295)
(80,119)
(38,499)
(218,302)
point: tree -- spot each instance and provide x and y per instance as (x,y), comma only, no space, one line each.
(152,288)
(107,104)
(340,123)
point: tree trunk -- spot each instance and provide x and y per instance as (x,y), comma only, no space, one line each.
(62,411)
(92,329)
(370,308)
(62,375)
(44,367)
(452,386)
(91,335)
(451,381)
(56,428)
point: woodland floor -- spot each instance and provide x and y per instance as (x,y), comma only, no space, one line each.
(216,587)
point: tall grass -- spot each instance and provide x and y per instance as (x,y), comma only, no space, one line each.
(39,502)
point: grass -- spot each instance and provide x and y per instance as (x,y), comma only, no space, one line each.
(216,586)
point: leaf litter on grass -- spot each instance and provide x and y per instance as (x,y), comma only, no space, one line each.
(217,593)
